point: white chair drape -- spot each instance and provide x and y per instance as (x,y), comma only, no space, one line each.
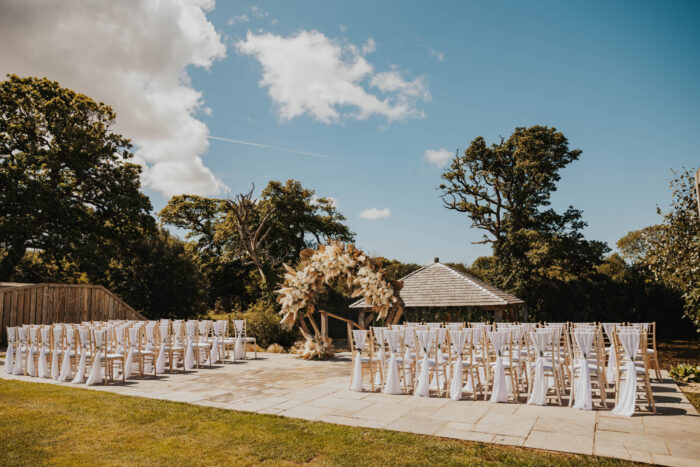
(425,340)
(359,336)
(217,331)
(31,350)
(189,351)
(10,354)
(18,368)
(133,349)
(57,345)
(84,335)
(43,365)
(378,333)
(69,351)
(628,388)
(164,335)
(458,339)
(99,337)
(583,394)
(238,349)
(609,329)
(540,342)
(393,384)
(499,391)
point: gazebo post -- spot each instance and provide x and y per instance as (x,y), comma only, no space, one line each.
(497,315)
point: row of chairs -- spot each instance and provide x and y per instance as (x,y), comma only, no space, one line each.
(95,352)
(505,361)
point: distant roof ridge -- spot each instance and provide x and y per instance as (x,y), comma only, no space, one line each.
(474,281)
(440,285)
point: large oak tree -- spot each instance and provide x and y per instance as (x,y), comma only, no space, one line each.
(67,188)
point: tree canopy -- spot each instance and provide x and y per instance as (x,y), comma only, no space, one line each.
(67,188)
(505,190)
(261,233)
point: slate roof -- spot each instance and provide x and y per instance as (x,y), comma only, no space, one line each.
(438,285)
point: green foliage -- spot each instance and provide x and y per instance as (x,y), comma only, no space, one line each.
(395,269)
(290,218)
(162,278)
(505,189)
(67,189)
(669,253)
(263,323)
(685,372)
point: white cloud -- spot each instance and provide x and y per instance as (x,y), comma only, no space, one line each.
(133,55)
(258,12)
(438,157)
(374,214)
(308,73)
(273,21)
(369,46)
(343,28)
(440,56)
(238,19)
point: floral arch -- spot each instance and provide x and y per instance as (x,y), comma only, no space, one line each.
(303,286)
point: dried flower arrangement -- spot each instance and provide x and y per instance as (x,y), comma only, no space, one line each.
(302,287)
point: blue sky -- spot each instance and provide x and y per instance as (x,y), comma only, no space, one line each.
(619,79)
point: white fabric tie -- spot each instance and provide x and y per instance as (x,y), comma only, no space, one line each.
(31,367)
(189,352)
(611,368)
(393,385)
(379,336)
(628,389)
(499,391)
(18,367)
(214,356)
(96,370)
(66,369)
(458,339)
(425,338)
(164,334)
(10,355)
(57,335)
(540,341)
(43,365)
(133,349)
(583,396)
(359,337)
(83,333)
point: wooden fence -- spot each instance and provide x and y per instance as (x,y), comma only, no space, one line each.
(59,303)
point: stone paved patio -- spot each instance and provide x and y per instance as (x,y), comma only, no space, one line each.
(284,385)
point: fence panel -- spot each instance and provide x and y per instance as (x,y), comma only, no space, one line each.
(53,303)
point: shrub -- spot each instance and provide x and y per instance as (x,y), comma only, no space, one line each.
(275,348)
(263,323)
(685,372)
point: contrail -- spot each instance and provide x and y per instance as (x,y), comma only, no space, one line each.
(276,148)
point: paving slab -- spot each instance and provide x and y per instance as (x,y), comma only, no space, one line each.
(284,385)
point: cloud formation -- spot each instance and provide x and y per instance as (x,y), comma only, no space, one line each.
(132,55)
(374,214)
(438,157)
(309,73)
(238,19)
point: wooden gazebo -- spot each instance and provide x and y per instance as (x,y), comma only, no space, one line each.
(438,285)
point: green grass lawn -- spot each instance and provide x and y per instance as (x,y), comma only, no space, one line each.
(49,424)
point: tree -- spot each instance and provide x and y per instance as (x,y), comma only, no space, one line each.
(161,277)
(505,190)
(672,254)
(67,190)
(244,232)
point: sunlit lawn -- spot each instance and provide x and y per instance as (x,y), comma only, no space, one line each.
(50,424)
